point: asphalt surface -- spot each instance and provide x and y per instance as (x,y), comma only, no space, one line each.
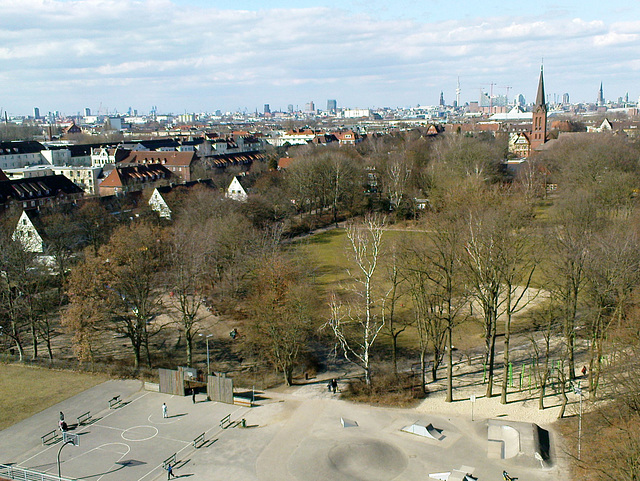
(287,437)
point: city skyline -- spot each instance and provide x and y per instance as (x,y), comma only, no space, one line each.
(189,56)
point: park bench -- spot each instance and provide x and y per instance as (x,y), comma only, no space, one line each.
(242,402)
(115,402)
(50,436)
(84,418)
(225,422)
(171,460)
(199,441)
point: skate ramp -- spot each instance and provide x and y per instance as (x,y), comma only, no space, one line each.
(367,460)
(427,431)
(510,439)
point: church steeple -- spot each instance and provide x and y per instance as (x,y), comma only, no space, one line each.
(540,102)
(539,118)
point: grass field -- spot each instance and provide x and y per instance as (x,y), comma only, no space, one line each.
(25,391)
(328,253)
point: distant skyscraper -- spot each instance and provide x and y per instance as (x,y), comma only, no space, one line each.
(36,113)
(310,107)
(87,111)
(441,98)
(290,108)
(565,98)
(332,106)
(600,96)
(267,109)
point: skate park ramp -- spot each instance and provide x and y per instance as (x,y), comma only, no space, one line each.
(511,439)
(367,460)
(424,430)
(354,459)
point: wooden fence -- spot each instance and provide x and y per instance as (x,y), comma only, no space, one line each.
(220,388)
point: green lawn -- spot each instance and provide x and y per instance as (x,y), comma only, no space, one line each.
(328,257)
(25,391)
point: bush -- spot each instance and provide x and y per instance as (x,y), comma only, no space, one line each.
(386,389)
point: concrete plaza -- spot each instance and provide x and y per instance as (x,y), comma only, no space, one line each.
(287,437)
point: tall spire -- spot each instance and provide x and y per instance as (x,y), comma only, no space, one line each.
(540,97)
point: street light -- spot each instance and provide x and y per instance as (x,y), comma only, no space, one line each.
(577,390)
(208,364)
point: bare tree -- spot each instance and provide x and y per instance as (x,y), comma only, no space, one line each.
(121,282)
(19,283)
(280,306)
(186,278)
(577,221)
(611,272)
(518,263)
(394,325)
(434,267)
(361,319)
(484,258)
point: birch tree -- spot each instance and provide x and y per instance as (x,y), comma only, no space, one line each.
(356,325)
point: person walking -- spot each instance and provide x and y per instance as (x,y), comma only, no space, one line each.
(193,395)
(164,410)
(170,471)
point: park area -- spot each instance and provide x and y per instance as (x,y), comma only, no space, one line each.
(303,433)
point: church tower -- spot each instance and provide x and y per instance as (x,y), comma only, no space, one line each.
(539,120)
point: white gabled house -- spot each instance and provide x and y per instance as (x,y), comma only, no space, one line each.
(157,203)
(235,191)
(27,234)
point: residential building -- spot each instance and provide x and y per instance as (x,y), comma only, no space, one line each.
(34,192)
(27,234)
(102,156)
(16,154)
(123,180)
(180,164)
(236,191)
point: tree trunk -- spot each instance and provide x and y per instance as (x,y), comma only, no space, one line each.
(492,354)
(49,349)
(507,334)
(34,340)
(449,366)
(565,400)
(288,375)
(189,339)
(136,362)
(394,352)
(423,374)
(543,385)
(434,366)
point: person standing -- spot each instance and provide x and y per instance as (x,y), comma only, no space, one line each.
(193,395)
(164,410)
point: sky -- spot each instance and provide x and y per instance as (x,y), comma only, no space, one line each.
(204,55)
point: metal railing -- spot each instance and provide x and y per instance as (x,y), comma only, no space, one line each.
(21,474)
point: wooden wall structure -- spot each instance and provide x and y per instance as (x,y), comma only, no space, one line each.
(171,382)
(220,388)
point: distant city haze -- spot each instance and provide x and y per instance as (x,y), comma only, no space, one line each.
(203,56)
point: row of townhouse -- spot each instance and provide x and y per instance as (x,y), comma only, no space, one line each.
(310,136)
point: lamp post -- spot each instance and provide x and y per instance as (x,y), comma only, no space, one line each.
(577,390)
(208,363)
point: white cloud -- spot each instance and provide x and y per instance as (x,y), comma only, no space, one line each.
(156,47)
